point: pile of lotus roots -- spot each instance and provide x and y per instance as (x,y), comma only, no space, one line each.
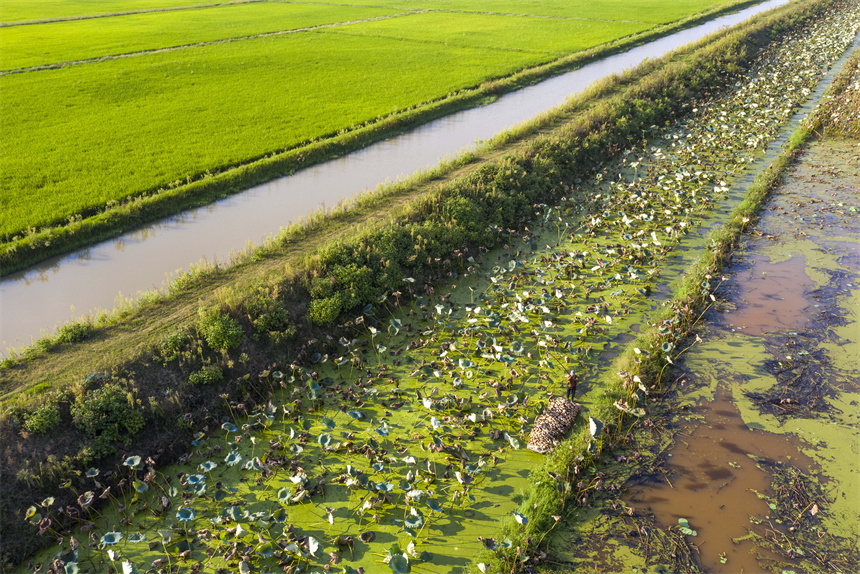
(552,425)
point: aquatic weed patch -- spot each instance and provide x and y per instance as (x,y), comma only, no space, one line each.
(805,527)
(839,114)
(795,531)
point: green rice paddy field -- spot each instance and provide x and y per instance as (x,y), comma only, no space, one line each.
(99,105)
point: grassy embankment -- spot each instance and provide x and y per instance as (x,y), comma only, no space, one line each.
(123,154)
(628,113)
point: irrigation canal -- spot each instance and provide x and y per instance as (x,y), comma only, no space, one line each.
(97,278)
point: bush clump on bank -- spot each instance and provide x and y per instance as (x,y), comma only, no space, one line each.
(107,415)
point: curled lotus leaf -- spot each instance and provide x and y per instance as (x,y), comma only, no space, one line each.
(111,538)
(92,472)
(236,514)
(284,495)
(86,499)
(233,459)
(230,427)
(512,441)
(207,466)
(313,546)
(415,519)
(521,518)
(595,426)
(137,537)
(367,537)
(132,462)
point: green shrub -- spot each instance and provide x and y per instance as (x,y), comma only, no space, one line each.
(221,332)
(206,376)
(171,346)
(325,311)
(73,332)
(45,418)
(107,415)
(267,314)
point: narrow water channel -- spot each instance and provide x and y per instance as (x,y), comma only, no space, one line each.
(38,300)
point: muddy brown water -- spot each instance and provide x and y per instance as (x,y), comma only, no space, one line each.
(773,297)
(37,301)
(713,481)
(779,288)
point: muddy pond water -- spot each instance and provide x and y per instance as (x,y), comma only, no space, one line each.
(36,301)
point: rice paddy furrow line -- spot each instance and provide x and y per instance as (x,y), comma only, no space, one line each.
(542,16)
(446,43)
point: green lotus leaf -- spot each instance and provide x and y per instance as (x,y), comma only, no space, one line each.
(185,514)
(399,564)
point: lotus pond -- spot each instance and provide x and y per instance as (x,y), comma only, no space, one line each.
(402,443)
(757,471)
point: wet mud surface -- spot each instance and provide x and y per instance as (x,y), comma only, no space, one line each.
(756,469)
